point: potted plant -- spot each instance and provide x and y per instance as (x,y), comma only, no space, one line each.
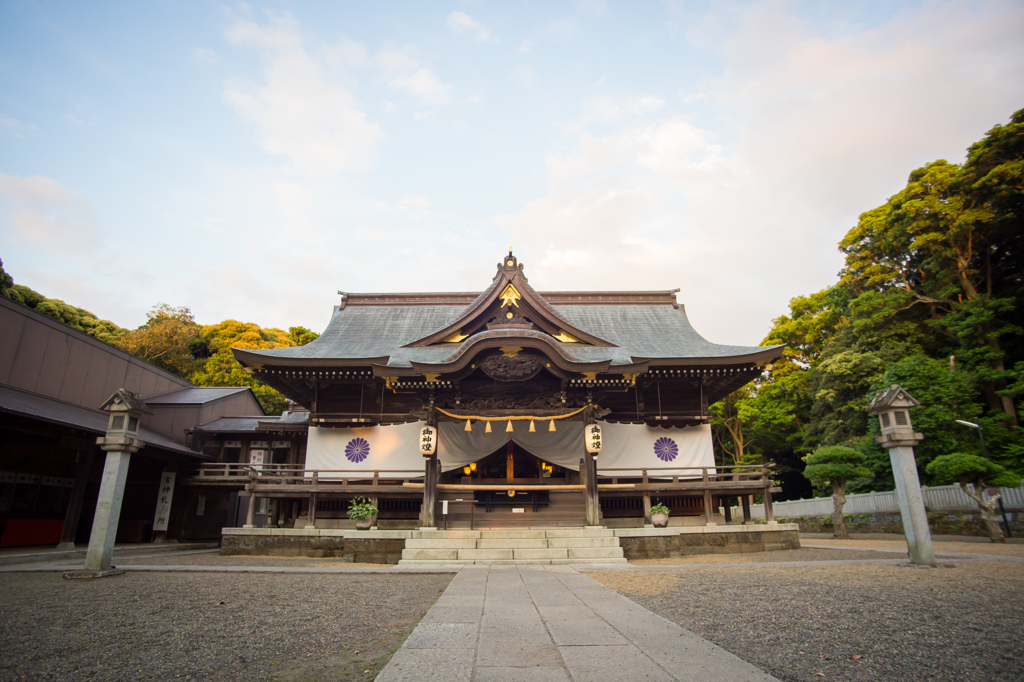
(362,511)
(659,515)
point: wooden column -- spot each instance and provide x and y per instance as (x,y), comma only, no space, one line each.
(709,508)
(311,514)
(74,512)
(647,501)
(593,503)
(768,515)
(375,501)
(745,500)
(727,507)
(709,512)
(430,475)
(429,491)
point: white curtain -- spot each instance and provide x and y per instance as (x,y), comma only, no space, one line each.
(644,447)
(394,450)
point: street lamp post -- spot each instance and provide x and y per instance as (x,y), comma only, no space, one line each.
(984,452)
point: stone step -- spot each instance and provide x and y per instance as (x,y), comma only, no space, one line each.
(595,553)
(441,543)
(446,534)
(580,533)
(477,554)
(540,554)
(512,543)
(612,560)
(521,534)
(580,542)
(432,554)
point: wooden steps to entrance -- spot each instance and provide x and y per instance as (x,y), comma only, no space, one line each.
(580,545)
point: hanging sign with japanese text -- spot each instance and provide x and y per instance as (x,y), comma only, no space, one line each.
(428,441)
(163,501)
(592,437)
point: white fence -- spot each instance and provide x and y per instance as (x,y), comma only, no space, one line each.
(935,499)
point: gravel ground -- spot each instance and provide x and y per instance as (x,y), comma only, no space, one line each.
(857,622)
(990,548)
(769,557)
(173,626)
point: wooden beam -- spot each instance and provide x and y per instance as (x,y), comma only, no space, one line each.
(518,488)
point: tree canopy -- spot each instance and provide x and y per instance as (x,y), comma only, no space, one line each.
(931,296)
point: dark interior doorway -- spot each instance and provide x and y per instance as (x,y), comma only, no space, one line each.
(509,464)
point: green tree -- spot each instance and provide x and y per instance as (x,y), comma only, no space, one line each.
(216,365)
(980,473)
(834,465)
(165,339)
(300,336)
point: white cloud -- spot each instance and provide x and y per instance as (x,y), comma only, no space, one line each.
(39,212)
(830,128)
(204,55)
(461,23)
(526,46)
(604,109)
(406,73)
(9,126)
(300,112)
(525,74)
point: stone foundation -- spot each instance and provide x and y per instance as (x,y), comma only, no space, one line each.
(665,543)
(361,547)
(385,546)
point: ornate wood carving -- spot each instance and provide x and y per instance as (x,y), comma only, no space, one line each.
(518,368)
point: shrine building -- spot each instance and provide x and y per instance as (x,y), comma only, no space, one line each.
(506,409)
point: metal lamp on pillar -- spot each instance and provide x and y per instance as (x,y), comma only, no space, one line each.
(120,442)
(893,409)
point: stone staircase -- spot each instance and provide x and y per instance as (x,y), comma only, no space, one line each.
(527,546)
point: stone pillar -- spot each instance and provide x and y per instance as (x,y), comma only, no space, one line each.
(108,511)
(250,513)
(74,511)
(898,437)
(911,499)
(429,492)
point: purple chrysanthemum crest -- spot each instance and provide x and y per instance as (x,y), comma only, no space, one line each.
(357,450)
(666,449)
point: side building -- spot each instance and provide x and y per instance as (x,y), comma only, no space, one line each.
(53,379)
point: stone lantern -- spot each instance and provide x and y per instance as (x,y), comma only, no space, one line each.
(893,409)
(120,442)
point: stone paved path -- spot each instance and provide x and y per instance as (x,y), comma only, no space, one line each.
(548,624)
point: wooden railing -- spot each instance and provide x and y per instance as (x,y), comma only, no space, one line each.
(295,474)
(738,473)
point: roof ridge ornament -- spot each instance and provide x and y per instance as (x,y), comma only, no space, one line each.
(510,267)
(510,296)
